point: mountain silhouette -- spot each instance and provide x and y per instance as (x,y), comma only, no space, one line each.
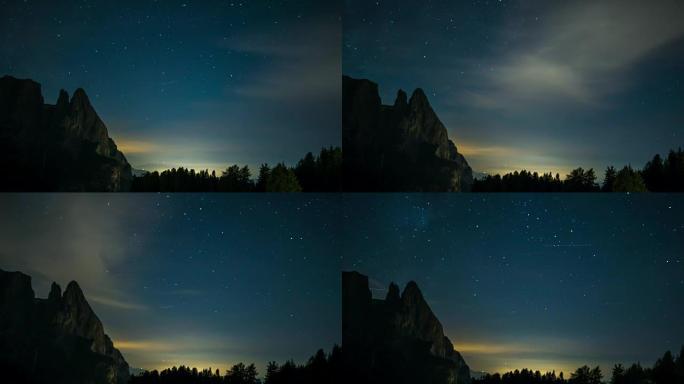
(395,340)
(54,340)
(60,147)
(402,147)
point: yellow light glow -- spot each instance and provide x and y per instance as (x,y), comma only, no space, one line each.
(474,150)
(483,348)
(148,346)
(129,146)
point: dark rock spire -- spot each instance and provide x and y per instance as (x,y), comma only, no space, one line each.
(396,340)
(58,339)
(55,293)
(61,147)
(399,147)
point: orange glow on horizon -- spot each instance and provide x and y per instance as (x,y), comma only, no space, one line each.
(486,349)
(130,146)
(493,357)
(148,346)
(497,159)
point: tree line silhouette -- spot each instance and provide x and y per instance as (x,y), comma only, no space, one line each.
(666,370)
(658,175)
(320,368)
(313,173)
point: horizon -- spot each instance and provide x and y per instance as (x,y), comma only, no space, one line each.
(545,86)
(179,82)
(191,279)
(134,148)
(476,348)
(544,282)
(480,152)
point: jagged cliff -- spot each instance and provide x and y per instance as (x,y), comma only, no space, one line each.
(61,147)
(402,147)
(396,340)
(56,340)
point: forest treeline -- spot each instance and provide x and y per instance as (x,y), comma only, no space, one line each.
(666,370)
(320,368)
(658,175)
(313,173)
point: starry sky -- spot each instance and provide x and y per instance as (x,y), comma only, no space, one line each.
(200,84)
(544,282)
(200,280)
(537,85)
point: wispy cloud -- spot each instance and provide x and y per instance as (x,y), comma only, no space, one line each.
(87,238)
(120,304)
(304,63)
(580,54)
(97,246)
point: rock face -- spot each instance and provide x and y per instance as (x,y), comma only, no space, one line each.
(396,340)
(56,340)
(61,147)
(403,147)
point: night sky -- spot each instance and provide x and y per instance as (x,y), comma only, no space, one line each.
(200,84)
(544,282)
(200,280)
(541,85)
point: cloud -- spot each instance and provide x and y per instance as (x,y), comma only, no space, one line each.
(86,238)
(579,56)
(116,303)
(76,244)
(304,63)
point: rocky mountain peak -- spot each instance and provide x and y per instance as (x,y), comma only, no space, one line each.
(400,102)
(61,147)
(356,285)
(39,336)
(62,99)
(392,294)
(20,90)
(73,294)
(84,122)
(399,147)
(80,99)
(400,326)
(15,287)
(21,103)
(412,293)
(419,99)
(55,293)
(78,317)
